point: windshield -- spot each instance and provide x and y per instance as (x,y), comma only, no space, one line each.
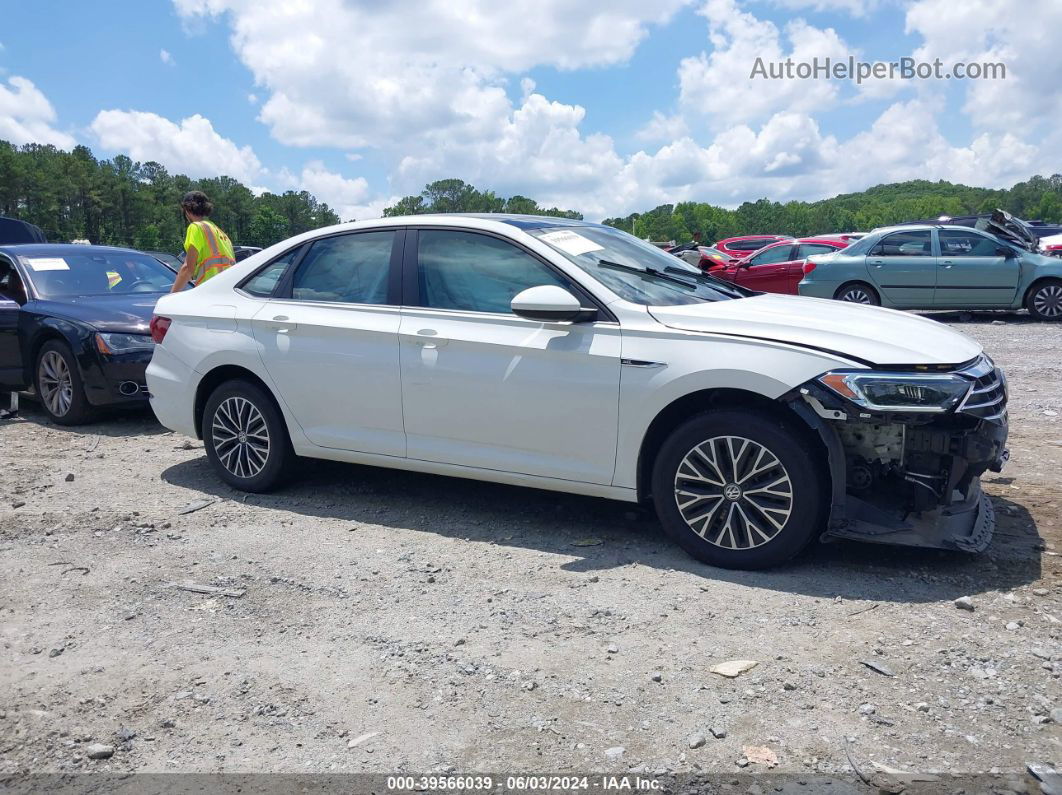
(635,270)
(97,273)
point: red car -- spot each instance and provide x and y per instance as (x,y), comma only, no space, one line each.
(740,247)
(779,267)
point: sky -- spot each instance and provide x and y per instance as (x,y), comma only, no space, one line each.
(604,106)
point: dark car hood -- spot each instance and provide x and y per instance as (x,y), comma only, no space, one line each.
(1013,229)
(129,313)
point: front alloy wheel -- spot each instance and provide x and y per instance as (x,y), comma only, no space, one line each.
(733,492)
(740,489)
(1045,301)
(57,388)
(59,385)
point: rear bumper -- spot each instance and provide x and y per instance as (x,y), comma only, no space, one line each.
(171,388)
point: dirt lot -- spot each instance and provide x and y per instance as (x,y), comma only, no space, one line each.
(401,622)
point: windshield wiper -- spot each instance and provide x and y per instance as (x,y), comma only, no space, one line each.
(645,269)
(712,281)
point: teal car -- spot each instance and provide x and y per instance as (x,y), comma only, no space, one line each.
(940,267)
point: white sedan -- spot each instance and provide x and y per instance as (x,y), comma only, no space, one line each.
(571,356)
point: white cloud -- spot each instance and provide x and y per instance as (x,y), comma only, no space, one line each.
(718,84)
(166,57)
(191,147)
(351,75)
(346,196)
(252,98)
(857,8)
(1023,36)
(663,128)
(26,116)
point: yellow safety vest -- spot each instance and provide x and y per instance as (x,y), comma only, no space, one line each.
(215,256)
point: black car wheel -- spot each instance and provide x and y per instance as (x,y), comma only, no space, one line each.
(1044,300)
(859,293)
(736,489)
(59,385)
(245,436)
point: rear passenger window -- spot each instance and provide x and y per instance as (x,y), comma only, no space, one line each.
(264,283)
(904,244)
(348,269)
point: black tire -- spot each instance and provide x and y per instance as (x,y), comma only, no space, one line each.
(1044,300)
(801,514)
(245,462)
(859,293)
(59,386)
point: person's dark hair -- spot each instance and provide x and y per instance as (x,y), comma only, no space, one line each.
(197,203)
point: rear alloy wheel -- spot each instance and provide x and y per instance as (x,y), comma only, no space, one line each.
(59,385)
(859,294)
(245,437)
(736,489)
(1045,300)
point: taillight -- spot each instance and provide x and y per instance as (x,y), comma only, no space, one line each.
(808,267)
(159,326)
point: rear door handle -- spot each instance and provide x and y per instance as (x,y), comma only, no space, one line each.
(426,338)
(946,263)
(877,263)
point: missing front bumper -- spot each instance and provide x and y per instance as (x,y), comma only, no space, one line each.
(964,525)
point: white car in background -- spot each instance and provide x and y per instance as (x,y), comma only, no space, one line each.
(570,356)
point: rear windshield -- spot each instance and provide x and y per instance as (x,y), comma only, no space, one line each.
(68,275)
(635,270)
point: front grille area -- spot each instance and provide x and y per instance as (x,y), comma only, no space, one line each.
(988,398)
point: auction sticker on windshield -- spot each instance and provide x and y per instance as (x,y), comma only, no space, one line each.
(47,263)
(570,242)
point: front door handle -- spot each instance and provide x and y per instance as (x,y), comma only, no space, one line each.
(281,324)
(946,263)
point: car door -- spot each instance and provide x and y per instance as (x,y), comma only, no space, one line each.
(482,387)
(971,272)
(329,340)
(767,270)
(903,268)
(12,295)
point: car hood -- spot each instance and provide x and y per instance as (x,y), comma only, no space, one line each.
(868,334)
(130,313)
(1013,229)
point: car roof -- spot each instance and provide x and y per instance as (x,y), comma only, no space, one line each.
(59,249)
(513,219)
(821,239)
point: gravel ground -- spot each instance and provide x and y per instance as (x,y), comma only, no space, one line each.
(401,622)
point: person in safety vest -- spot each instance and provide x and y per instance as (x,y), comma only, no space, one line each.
(207,250)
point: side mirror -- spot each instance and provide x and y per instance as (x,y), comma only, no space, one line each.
(550,304)
(1004,251)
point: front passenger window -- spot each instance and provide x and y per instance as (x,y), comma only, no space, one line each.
(349,269)
(476,273)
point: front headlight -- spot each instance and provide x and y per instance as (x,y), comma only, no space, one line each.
(910,392)
(123,343)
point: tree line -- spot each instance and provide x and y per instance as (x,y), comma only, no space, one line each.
(1038,198)
(73,195)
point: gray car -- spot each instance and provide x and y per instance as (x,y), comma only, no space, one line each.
(941,267)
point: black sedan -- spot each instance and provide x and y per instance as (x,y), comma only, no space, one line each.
(74,325)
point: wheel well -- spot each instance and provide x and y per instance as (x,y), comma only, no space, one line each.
(707,400)
(1035,284)
(47,335)
(216,378)
(848,284)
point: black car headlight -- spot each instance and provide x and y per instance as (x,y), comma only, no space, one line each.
(109,343)
(910,392)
